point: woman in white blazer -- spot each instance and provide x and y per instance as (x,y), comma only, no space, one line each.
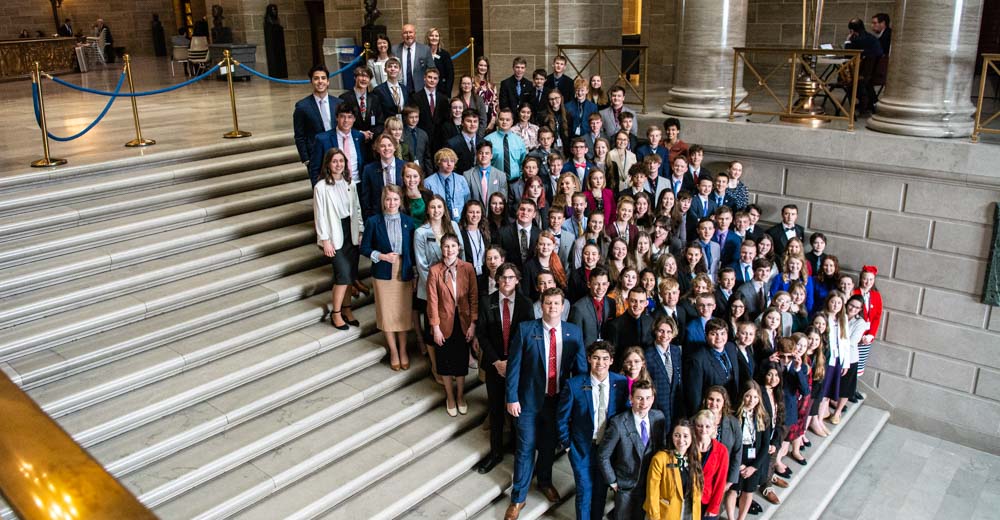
(337,212)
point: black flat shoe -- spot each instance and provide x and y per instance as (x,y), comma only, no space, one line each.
(338,327)
(755,508)
(858,396)
(807,444)
(784,474)
(353,323)
(800,462)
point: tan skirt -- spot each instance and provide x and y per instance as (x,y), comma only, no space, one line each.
(394,303)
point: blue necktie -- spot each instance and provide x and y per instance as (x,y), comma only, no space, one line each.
(518,89)
(677,187)
(449,195)
(644,433)
(707,248)
(746,273)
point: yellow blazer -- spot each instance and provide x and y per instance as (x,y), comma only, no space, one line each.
(664,496)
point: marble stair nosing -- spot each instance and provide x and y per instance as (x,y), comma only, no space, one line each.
(241,231)
(61,242)
(535,504)
(327,488)
(71,213)
(467,495)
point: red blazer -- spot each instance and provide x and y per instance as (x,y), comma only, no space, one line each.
(441,306)
(872,313)
(610,207)
(612,232)
(715,469)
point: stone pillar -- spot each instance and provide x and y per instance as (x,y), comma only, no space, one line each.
(703,81)
(930,69)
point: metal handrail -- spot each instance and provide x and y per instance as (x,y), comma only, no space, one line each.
(801,64)
(599,52)
(989,62)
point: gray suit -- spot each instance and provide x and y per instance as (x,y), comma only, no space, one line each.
(584,315)
(497,184)
(422,60)
(611,125)
(566,240)
(750,296)
(625,461)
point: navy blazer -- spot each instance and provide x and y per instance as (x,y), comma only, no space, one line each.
(697,210)
(372,119)
(694,333)
(376,238)
(326,140)
(387,107)
(576,412)
(662,151)
(466,157)
(526,377)
(307,122)
(702,370)
(668,395)
(731,249)
(370,191)
(578,115)
(508,92)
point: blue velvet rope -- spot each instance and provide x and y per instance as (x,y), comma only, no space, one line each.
(261,75)
(206,74)
(461,52)
(38,116)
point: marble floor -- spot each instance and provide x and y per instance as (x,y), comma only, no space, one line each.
(906,474)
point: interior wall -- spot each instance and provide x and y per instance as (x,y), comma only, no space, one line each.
(246,19)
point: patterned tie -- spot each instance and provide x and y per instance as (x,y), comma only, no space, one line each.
(396,98)
(363,107)
(387,174)
(524,244)
(602,410)
(552,385)
(432,104)
(506,324)
(347,148)
(519,89)
(506,156)
(409,69)
(483,182)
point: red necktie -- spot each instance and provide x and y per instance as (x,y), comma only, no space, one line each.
(506,325)
(551,390)
(432,104)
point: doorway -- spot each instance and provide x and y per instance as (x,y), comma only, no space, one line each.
(317,28)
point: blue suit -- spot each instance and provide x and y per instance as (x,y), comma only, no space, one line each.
(578,115)
(576,431)
(668,395)
(698,208)
(370,191)
(741,274)
(376,238)
(694,333)
(386,103)
(307,122)
(526,384)
(664,153)
(327,140)
(730,249)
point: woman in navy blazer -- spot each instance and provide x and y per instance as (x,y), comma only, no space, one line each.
(388,241)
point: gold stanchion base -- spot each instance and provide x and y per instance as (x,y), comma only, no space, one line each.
(44,163)
(140,142)
(236,134)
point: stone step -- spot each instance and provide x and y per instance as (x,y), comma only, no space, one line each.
(393,447)
(48,208)
(129,374)
(817,489)
(77,293)
(535,505)
(467,495)
(55,330)
(30,178)
(61,242)
(249,229)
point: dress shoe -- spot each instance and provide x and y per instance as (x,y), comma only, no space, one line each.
(778,481)
(771,497)
(835,419)
(800,462)
(463,408)
(858,396)
(453,412)
(551,494)
(807,443)
(513,511)
(405,365)
(784,474)
(394,367)
(354,322)
(338,327)
(488,464)
(755,508)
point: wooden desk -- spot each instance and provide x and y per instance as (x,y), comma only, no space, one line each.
(17,57)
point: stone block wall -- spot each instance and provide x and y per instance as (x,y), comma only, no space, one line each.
(246,18)
(779,22)
(920,210)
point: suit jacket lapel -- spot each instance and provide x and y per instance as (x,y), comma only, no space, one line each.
(633,434)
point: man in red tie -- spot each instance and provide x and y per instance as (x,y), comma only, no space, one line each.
(499,317)
(432,104)
(544,353)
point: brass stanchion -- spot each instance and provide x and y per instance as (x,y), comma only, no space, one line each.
(367,51)
(36,78)
(138,141)
(236,133)
(472,56)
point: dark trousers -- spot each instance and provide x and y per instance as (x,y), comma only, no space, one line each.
(496,393)
(535,431)
(628,504)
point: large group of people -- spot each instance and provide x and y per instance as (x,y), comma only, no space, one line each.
(620,301)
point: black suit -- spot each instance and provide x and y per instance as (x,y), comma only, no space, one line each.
(466,157)
(577,286)
(431,122)
(777,233)
(682,315)
(511,243)
(564,84)
(371,120)
(538,101)
(387,105)
(583,314)
(489,331)
(508,93)
(626,331)
(702,370)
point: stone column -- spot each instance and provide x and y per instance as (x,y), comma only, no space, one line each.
(703,81)
(930,69)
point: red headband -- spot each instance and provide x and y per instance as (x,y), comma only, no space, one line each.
(870,269)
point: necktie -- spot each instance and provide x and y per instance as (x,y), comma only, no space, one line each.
(449,194)
(484,174)
(726,366)
(324,114)
(579,228)
(409,69)
(761,299)
(506,156)
(348,150)
(524,244)
(396,98)
(538,96)
(707,248)
(506,324)
(602,410)
(432,103)
(387,174)
(644,432)
(363,107)
(519,89)
(704,209)
(472,145)
(552,385)
(668,364)
(746,273)
(677,187)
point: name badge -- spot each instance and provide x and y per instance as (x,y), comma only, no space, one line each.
(455,213)
(752,452)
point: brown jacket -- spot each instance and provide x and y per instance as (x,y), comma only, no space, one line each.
(440,303)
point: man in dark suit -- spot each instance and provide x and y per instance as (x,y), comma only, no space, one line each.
(729,241)
(670,295)
(787,229)
(417,140)
(591,312)
(518,238)
(696,154)
(368,108)
(434,109)
(871,52)
(663,361)
(744,266)
(754,232)
(516,88)
(314,113)
(392,94)
(499,316)
(626,451)
(415,58)
(66,29)
(466,143)
(724,291)
(344,137)
(702,205)
(715,365)
(882,31)
(558,80)
(579,108)
(544,354)
(634,328)
(756,293)
(386,168)
(694,332)
(586,404)
(680,178)
(537,98)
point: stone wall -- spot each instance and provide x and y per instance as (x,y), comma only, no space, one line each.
(246,19)
(919,209)
(779,22)
(129,20)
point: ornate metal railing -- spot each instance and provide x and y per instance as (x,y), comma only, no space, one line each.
(600,53)
(990,62)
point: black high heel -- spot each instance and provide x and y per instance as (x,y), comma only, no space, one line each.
(338,327)
(355,323)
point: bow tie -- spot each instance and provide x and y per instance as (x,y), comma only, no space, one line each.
(580,165)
